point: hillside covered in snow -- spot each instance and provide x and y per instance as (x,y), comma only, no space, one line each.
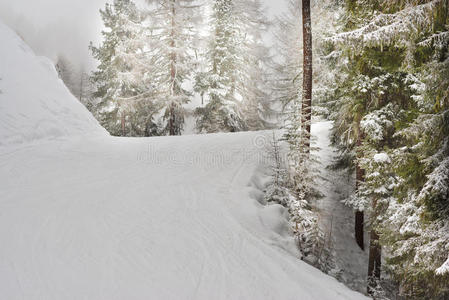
(35,104)
(87,216)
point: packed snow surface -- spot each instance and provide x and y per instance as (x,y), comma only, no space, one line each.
(87,216)
(336,219)
(34,102)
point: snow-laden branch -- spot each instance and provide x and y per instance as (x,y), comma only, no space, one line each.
(444,269)
(389,29)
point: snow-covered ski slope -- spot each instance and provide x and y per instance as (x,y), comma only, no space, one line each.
(87,216)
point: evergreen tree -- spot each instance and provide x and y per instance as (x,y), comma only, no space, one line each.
(172,34)
(122,80)
(233,83)
(222,112)
(392,116)
(252,86)
(67,72)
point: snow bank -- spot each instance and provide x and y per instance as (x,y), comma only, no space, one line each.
(34,103)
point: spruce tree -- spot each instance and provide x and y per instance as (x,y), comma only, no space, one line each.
(392,104)
(219,83)
(121,81)
(234,81)
(172,33)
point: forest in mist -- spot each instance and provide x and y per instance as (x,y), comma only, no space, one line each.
(346,100)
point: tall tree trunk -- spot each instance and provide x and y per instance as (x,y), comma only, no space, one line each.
(375,257)
(359,215)
(307,74)
(171,113)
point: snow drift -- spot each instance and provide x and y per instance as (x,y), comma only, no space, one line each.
(109,218)
(34,103)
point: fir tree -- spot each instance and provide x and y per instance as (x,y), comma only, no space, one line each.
(122,82)
(222,112)
(392,115)
(172,33)
(233,83)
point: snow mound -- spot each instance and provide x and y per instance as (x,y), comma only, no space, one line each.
(34,102)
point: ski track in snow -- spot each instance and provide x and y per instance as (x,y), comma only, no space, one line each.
(86,216)
(336,219)
(91,219)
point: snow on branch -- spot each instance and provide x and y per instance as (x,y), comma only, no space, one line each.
(387,29)
(444,269)
(437,182)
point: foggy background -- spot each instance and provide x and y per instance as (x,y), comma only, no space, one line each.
(54,27)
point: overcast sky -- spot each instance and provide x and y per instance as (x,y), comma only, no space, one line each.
(53,27)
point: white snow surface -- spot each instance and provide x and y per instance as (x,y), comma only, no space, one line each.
(336,219)
(87,216)
(34,102)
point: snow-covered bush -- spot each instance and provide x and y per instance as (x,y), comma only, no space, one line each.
(304,220)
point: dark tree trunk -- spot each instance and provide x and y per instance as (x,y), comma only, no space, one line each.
(171,113)
(375,260)
(307,74)
(359,215)
(171,120)
(359,220)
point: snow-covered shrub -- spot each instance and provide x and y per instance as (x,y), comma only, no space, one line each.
(304,220)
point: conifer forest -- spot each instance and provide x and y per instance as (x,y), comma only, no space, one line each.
(224,149)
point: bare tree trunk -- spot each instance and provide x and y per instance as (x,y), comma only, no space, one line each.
(359,220)
(359,215)
(374,260)
(307,74)
(172,115)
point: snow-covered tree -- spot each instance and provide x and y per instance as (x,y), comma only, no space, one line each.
(256,98)
(67,72)
(233,83)
(122,79)
(303,218)
(172,33)
(391,114)
(288,63)
(218,83)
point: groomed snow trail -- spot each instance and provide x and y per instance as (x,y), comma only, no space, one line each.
(336,219)
(87,216)
(161,218)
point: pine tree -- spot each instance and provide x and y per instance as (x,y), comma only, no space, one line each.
(256,100)
(172,35)
(121,82)
(233,84)
(392,115)
(67,72)
(287,67)
(222,112)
